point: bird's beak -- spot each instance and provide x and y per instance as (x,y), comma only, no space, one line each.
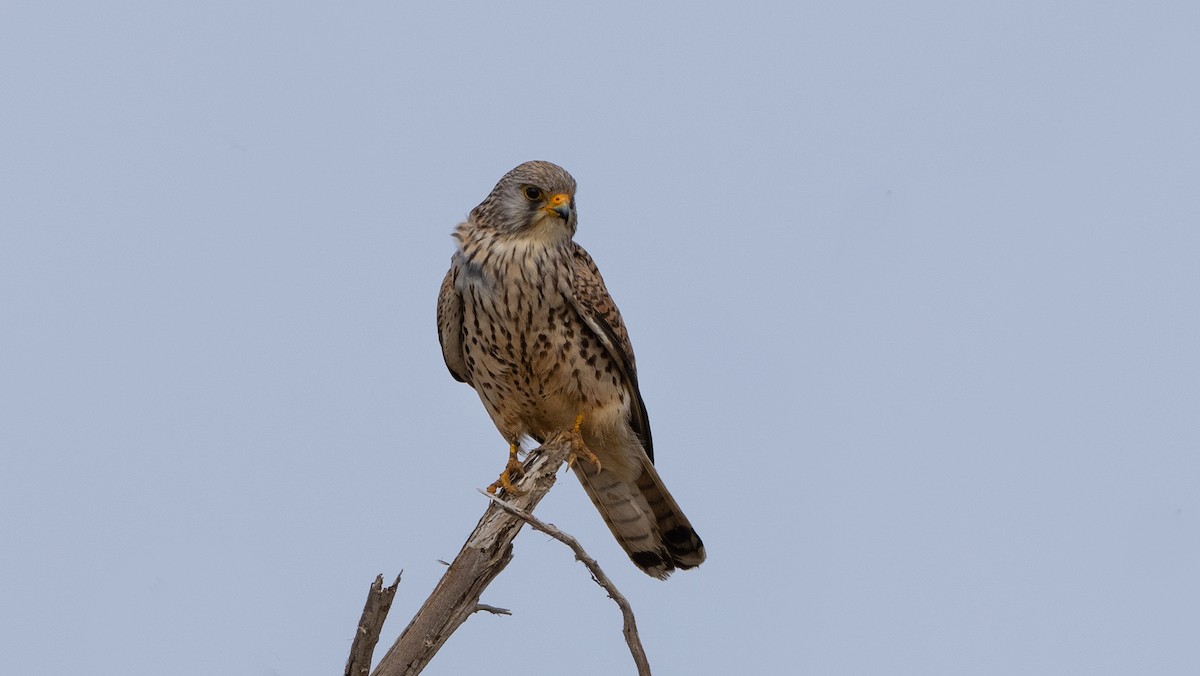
(560,205)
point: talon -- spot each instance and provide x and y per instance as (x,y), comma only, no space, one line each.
(513,471)
(584,452)
(579,448)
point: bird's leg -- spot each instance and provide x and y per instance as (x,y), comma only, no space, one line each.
(513,471)
(579,448)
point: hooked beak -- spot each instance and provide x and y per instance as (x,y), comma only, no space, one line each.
(560,205)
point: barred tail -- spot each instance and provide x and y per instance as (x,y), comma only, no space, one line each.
(644,518)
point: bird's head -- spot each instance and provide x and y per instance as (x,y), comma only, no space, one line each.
(535,199)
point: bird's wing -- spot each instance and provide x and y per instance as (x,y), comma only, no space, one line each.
(601,315)
(450,323)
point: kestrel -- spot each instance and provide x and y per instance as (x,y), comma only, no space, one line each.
(525,319)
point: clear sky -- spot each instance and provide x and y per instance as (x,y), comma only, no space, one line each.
(914,290)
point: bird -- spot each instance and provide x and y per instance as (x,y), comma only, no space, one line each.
(525,319)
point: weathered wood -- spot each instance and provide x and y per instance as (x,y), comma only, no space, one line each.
(632,639)
(486,552)
(379,602)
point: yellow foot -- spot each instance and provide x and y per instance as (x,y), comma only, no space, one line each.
(513,471)
(579,448)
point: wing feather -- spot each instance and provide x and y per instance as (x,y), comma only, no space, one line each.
(597,309)
(450,323)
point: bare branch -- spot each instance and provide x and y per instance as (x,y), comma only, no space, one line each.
(630,624)
(379,602)
(486,552)
(492,609)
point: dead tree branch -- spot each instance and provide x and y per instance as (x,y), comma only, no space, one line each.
(486,552)
(379,602)
(630,624)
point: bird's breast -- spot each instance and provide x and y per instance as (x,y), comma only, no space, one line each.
(528,351)
(515,309)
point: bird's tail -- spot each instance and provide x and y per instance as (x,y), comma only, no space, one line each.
(644,518)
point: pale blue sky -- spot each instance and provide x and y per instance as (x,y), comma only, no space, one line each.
(913,290)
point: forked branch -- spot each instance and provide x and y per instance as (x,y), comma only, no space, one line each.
(630,624)
(486,552)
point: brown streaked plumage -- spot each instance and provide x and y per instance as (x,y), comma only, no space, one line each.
(525,319)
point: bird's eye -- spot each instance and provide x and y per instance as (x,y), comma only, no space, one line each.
(533,193)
